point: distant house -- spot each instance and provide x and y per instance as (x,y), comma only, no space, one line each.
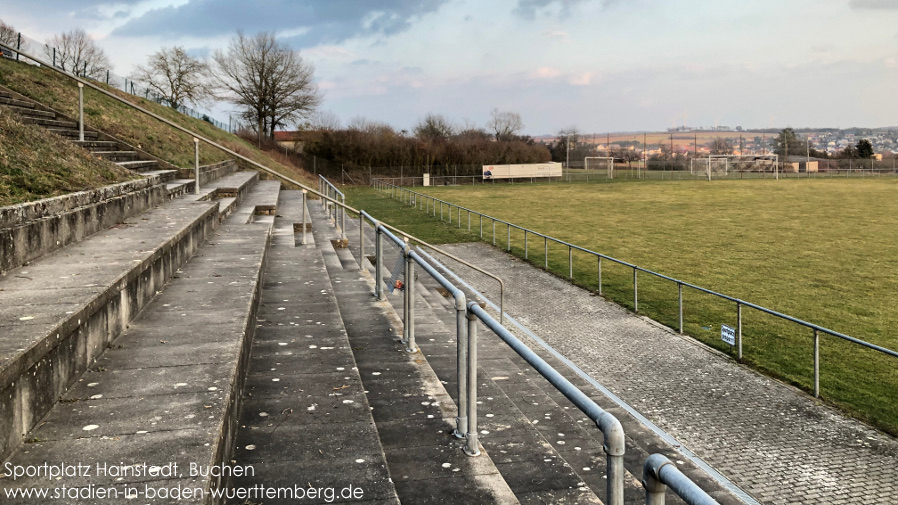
(291,140)
(802,164)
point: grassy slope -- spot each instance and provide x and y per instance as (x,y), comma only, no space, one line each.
(34,164)
(119,120)
(820,250)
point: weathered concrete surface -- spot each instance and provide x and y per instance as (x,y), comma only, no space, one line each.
(210,173)
(33,229)
(770,439)
(305,418)
(414,414)
(59,313)
(167,390)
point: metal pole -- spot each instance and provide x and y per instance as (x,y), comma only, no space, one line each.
(600,275)
(481,226)
(469,221)
(459,217)
(196,165)
(494,232)
(361,240)
(680,303)
(471,446)
(80,109)
(405,298)
(461,366)
(525,245)
(343,218)
(378,261)
(508,240)
(816,363)
(410,293)
(635,293)
(546,252)
(739,330)
(570,262)
(304,192)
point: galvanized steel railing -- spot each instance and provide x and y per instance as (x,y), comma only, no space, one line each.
(336,212)
(429,205)
(659,473)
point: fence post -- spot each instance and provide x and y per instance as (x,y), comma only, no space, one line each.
(469,221)
(80,111)
(405,300)
(459,217)
(19,46)
(525,245)
(410,297)
(471,446)
(600,275)
(635,292)
(816,363)
(739,330)
(54,64)
(461,365)
(361,240)
(196,165)
(508,240)
(546,252)
(481,226)
(343,218)
(680,300)
(494,232)
(304,216)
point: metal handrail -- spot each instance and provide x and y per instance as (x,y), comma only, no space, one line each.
(339,213)
(259,166)
(374,222)
(659,473)
(413,196)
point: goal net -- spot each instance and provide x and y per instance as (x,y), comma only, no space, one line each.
(600,163)
(716,167)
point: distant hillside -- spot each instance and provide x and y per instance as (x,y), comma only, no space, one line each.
(117,119)
(35,164)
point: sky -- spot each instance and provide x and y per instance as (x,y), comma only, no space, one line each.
(597,65)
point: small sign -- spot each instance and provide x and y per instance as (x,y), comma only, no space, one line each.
(727,334)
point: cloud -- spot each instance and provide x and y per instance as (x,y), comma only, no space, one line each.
(528,9)
(556,35)
(306,23)
(582,79)
(546,73)
(873,4)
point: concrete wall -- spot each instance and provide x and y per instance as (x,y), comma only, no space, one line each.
(31,230)
(209,173)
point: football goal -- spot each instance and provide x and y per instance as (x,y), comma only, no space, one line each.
(600,163)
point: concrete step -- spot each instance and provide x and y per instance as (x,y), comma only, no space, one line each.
(72,134)
(117,156)
(233,185)
(50,123)
(98,145)
(180,187)
(164,175)
(226,206)
(414,414)
(168,389)
(5,94)
(8,100)
(30,112)
(59,313)
(261,204)
(305,411)
(139,166)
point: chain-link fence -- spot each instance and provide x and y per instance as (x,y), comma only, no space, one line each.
(63,61)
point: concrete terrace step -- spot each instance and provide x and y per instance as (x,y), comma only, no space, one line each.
(259,205)
(72,134)
(168,389)
(180,187)
(138,166)
(28,112)
(8,100)
(117,156)
(58,313)
(49,123)
(5,94)
(305,418)
(414,414)
(97,145)
(164,175)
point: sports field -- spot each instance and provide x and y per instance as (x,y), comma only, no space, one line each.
(825,251)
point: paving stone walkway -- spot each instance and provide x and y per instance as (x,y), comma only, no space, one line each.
(773,441)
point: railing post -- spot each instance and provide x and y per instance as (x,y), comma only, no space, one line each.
(654,488)
(680,303)
(80,107)
(600,275)
(472,448)
(304,192)
(546,251)
(481,226)
(469,221)
(196,165)
(739,330)
(405,299)
(816,363)
(461,365)
(361,240)
(410,297)
(343,218)
(570,262)
(459,217)
(378,261)
(494,232)
(635,292)
(526,255)
(508,240)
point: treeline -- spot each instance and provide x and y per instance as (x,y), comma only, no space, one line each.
(433,146)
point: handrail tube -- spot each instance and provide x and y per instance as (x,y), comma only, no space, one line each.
(659,473)
(683,283)
(448,255)
(614,443)
(462,361)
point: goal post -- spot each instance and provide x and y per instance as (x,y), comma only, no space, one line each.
(722,165)
(599,163)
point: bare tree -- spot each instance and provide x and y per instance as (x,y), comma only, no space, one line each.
(505,124)
(433,127)
(324,120)
(77,53)
(8,34)
(720,145)
(177,76)
(271,83)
